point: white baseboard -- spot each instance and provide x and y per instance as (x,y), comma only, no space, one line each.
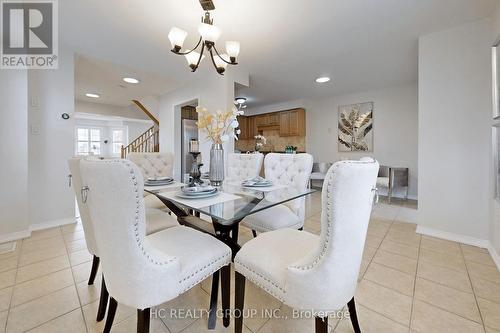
(453,237)
(494,254)
(34,227)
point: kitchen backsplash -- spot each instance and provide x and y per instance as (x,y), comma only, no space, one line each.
(275,142)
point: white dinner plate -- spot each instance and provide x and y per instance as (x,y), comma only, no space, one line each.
(201,196)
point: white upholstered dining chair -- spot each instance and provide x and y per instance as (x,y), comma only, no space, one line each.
(241,167)
(153,165)
(291,170)
(309,272)
(156,220)
(144,271)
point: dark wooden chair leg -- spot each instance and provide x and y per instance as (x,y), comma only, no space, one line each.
(321,325)
(143,318)
(103,301)
(226,292)
(212,315)
(239,302)
(93,271)
(254,233)
(301,229)
(111,315)
(354,317)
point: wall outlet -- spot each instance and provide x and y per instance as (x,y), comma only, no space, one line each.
(35,102)
(35,130)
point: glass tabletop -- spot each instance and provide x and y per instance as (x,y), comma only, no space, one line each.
(234,201)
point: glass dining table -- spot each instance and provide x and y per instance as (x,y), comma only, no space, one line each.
(226,210)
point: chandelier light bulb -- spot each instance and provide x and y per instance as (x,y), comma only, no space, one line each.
(177,37)
(233,50)
(220,64)
(209,33)
(192,59)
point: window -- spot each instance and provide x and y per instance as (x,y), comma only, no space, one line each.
(88,141)
(118,136)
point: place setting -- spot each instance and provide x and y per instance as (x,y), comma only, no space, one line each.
(158,181)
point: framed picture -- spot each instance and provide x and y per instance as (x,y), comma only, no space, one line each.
(355,127)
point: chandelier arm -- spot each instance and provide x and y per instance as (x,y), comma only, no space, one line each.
(227,62)
(201,56)
(213,61)
(194,48)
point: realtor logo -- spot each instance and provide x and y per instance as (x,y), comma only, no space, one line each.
(29,34)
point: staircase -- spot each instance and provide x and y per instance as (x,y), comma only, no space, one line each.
(147,142)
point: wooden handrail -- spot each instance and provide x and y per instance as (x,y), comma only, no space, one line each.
(146,111)
(147,142)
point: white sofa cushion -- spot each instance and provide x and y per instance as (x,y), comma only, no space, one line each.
(269,271)
(200,254)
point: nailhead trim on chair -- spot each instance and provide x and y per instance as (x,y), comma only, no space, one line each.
(226,256)
(257,282)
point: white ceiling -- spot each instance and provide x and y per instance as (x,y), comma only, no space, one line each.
(105,79)
(285,44)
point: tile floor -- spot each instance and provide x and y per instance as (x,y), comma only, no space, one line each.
(407,283)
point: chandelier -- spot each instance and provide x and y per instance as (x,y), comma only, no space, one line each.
(209,34)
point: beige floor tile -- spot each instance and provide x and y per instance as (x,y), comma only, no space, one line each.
(491,330)
(404,237)
(486,289)
(444,276)
(385,301)
(8,264)
(41,255)
(201,325)
(5,297)
(490,312)
(7,278)
(77,245)
(441,245)
(373,241)
(89,294)
(71,228)
(484,272)
(368,253)
(398,248)
(289,324)
(362,269)
(3,321)
(82,272)
(453,262)
(41,286)
(404,226)
(41,234)
(378,230)
(390,278)
(41,310)
(195,299)
(385,211)
(470,248)
(370,322)
(42,268)
(129,325)
(408,215)
(79,257)
(42,244)
(207,283)
(396,261)
(480,258)
(90,311)
(449,299)
(430,319)
(71,322)
(73,236)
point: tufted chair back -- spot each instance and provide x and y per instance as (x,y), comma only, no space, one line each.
(76,181)
(243,166)
(333,269)
(136,274)
(153,164)
(290,170)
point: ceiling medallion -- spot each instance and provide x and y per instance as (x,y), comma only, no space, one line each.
(209,34)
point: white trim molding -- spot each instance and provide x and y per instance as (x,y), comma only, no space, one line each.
(494,254)
(13,236)
(453,237)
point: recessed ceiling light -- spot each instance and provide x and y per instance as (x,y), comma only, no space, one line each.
(91,95)
(131,80)
(241,100)
(322,79)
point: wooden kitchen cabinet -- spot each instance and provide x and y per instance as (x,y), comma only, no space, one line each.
(293,122)
(273,119)
(261,120)
(243,121)
(252,128)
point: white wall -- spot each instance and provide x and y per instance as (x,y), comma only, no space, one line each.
(50,198)
(455,131)
(213,92)
(110,110)
(395,119)
(14,152)
(288,105)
